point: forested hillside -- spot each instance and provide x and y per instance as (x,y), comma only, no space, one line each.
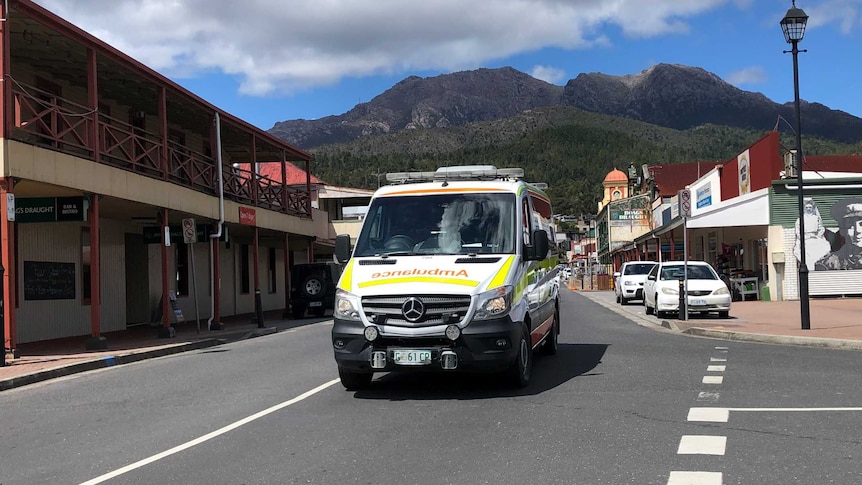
(569,149)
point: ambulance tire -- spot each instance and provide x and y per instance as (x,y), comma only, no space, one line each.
(551,343)
(518,373)
(354,381)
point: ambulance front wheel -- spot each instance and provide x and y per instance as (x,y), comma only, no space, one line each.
(354,381)
(519,372)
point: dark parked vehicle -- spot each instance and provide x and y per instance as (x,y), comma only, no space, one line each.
(313,288)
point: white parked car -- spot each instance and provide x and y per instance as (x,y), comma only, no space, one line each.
(706,291)
(629,280)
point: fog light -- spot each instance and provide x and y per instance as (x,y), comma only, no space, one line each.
(339,343)
(501,343)
(371,334)
(453,332)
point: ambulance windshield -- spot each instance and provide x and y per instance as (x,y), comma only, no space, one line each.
(464,223)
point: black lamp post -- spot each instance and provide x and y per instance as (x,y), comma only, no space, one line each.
(793,26)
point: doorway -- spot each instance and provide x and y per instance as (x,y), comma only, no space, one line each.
(137,281)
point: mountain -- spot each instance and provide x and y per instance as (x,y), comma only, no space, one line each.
(436,102)
(683,97)
(672,96)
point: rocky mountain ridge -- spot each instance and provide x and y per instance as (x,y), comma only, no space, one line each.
(667,95)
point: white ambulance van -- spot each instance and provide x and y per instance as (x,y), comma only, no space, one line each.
(452,271)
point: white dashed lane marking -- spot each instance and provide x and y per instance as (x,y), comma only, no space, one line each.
(717,359)
(702,445)
(716,368)
(694,478)
(713,379)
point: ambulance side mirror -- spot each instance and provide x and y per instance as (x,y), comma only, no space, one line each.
(342,248)
(539,250)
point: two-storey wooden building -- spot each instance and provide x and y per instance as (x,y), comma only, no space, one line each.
(102,160)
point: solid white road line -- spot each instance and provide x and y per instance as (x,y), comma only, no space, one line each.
(716,368)
(713,379)
(702,445)
(207,437)
(721,415)
(694,478)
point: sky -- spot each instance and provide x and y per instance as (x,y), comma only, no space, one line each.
(266,61)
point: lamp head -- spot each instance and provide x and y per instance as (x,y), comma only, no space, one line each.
(793,24)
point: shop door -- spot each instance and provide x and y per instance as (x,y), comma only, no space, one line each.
(137,281)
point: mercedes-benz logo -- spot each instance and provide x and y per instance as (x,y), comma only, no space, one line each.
(413,309)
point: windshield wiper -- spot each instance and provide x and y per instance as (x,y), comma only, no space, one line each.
(395,253)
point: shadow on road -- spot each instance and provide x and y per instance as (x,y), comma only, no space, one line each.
(571,360)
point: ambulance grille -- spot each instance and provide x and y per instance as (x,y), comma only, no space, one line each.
(436,306)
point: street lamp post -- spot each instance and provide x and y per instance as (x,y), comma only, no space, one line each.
(793,26)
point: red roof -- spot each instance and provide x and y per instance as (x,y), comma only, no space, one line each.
(672,177)
(833,163)
(272,170)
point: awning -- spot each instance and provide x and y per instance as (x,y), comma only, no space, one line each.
(746,210)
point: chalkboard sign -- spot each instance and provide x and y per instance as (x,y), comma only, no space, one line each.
(44,280)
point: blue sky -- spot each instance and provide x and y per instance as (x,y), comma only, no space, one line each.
(272,60)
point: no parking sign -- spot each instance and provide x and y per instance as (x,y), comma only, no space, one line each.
(190,231)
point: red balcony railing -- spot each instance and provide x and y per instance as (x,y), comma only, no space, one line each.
(45,120)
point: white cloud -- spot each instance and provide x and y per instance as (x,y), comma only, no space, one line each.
(548,74)
(749,75)
(285,46)
(846,13)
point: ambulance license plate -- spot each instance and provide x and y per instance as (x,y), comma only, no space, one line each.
(411,357)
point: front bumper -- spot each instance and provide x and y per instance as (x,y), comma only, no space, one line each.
(476,348)
(707,303)
(633,292)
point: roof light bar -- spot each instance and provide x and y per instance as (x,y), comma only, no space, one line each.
(471,172)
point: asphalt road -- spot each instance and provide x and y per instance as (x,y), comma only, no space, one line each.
(617,405)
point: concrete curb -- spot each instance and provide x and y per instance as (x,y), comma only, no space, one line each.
(120,359)
(817,342)
(669,325)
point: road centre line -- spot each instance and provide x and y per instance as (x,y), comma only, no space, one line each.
(695,478)
(702,445)
(721,348)
(209,436)
(716,368)
(717,359)
(722,415)
(713,379)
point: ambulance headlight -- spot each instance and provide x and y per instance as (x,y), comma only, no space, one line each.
(494,303)
(346,305)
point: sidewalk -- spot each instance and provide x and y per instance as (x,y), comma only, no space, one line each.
(40,361)
(835,323)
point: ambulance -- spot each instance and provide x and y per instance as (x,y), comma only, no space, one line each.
(453,271)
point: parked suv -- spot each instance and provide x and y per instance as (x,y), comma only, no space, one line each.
(313,288)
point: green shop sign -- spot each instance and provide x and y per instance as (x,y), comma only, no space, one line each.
(50,209)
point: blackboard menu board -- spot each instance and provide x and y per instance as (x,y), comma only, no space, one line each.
(44,280)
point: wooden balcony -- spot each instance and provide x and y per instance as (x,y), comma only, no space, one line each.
(45,120)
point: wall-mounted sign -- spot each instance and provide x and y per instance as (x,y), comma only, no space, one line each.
(704,196)
(743,163)
(50,209)
(247,216)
